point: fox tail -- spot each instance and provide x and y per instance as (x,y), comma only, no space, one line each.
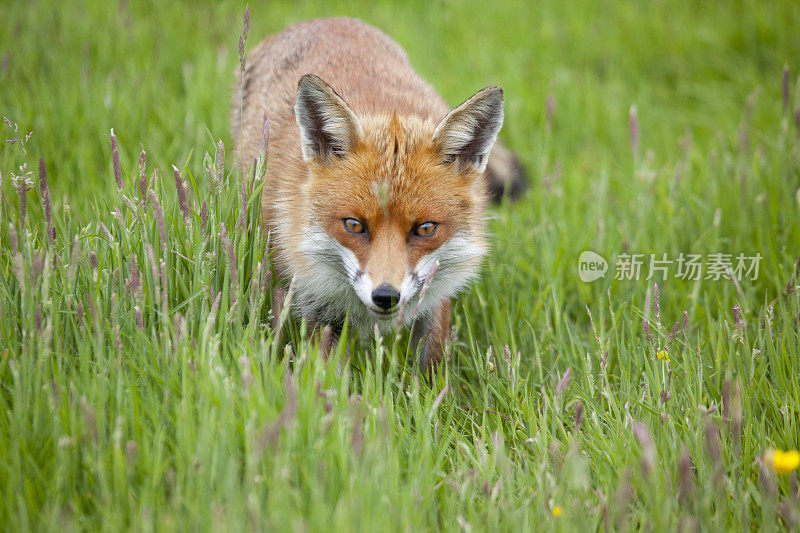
(505,175)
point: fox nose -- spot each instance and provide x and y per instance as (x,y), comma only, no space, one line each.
(385,296)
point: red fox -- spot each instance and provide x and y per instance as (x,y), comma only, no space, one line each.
(375,190)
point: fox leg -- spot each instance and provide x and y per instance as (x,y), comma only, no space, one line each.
(433,332)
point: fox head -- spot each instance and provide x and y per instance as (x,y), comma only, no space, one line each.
(393,205)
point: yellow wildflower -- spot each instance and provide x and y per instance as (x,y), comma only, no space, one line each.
(662,354)
(782,462)
(557,510)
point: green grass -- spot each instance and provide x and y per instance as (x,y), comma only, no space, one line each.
(204,415)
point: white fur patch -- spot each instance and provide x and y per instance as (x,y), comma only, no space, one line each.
(457,262)
(333,282)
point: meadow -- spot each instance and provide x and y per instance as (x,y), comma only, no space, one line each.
(147,382)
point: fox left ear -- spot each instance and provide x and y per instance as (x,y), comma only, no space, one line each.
(327,124)
(466,135)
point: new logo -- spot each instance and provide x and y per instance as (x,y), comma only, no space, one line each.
(591,266)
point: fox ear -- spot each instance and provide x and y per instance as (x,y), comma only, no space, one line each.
(466,135)
(327,125)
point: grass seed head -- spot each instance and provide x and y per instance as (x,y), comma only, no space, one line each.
(162,267)
(134,283)
(106,231)
(738,321)
(665,396)
(115,159)
(220,166)
(22,191)
(788,514)
(12,236)
(143,179)
(268,437)
(648,457)
(243,38)
(633,125)
(713,443)
(162,230)
(37,265)
(646,329)
(765,477)
(241,55)
(230,257)
(178,326)
(685,477)
(326,341)
(563,382)
(578,416)
(623,497)
(47,204)
(182,197)
(657,304)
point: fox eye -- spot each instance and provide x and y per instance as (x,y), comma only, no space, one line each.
(426,229)
(353,226)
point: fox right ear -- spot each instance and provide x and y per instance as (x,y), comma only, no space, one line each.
(328,127)
(466,135)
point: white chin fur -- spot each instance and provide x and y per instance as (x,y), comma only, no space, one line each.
(333,283)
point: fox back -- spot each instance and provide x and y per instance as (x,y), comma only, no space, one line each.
(375,190)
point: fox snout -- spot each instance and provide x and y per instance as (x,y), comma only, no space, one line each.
(382,282)
(384,299)
(380,297)
(385,296)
